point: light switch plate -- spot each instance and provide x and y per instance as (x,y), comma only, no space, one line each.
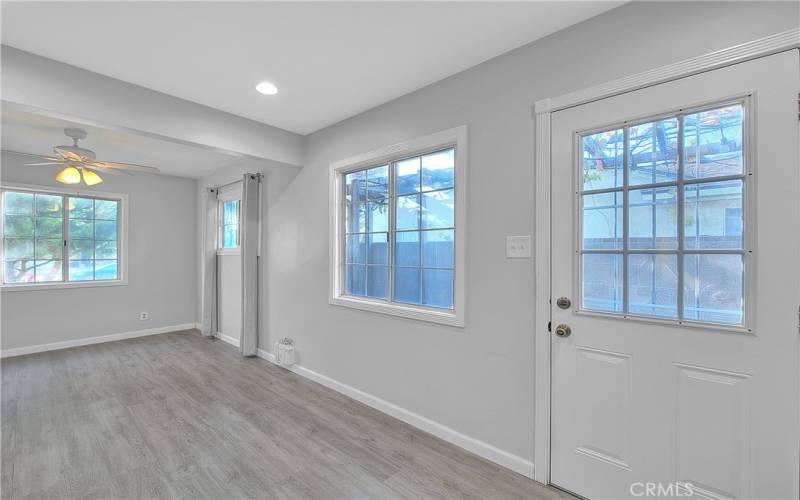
(518,247)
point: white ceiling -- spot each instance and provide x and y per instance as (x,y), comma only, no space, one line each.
(33,133)
(330,60)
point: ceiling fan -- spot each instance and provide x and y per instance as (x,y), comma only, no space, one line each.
(82,163)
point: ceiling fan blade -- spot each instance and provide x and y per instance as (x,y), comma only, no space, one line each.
(45,163)
(124,166)
(106,170)
(69,155)
(43,157)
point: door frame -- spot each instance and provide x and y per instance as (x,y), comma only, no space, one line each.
(542,112)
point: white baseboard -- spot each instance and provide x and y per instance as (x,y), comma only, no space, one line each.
(227,338)
(19,351)
(485,450)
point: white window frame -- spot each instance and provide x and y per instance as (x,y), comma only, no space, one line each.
(454,137)
(122,242)
(222,197)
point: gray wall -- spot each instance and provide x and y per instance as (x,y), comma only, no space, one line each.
(162,267)
(477,380)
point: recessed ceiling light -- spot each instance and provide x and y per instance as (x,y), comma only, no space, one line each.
(267,88)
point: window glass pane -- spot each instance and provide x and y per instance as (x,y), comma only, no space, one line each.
(713,288)
(355,279)
(602,220)
(377,248)
(229,225)
(653,218)
(356,218)
(82,249)
(48,205)
(80,229)
(40,256)
(105,249)
(17,203)
(438,209)
(107,230)
(437,249)
(19,271)
(81,270)
(407,212)
(653,283)
(105,209)
(377,276)
(438,170)
(713,215)
(602,159)
(229,236)
(406,285)
(356,248)
(421,184)
(712,142)
(49,227)
(18,248)
(81,208)
(378,184)
(18,226)
(437,288)
(378,214)
(406,248)
(407,176)
(601,282)
(48,249)
(48,270)
(230,211)
(355,202)
(105,269)
(653,152)
(355,185)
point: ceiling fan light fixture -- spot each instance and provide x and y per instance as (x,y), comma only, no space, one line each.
(69,175)
(90,178)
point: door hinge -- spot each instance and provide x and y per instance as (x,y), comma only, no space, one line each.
(798,107)
(549,326)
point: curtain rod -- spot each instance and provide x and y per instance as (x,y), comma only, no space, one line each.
(235,182)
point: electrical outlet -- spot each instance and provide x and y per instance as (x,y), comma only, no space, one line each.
(144,316)
(518,247)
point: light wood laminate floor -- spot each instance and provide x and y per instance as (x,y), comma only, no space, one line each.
(180,416)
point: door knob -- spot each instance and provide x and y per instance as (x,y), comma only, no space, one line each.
(563,330)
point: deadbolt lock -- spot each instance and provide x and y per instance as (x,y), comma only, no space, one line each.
(563,302)
(563,330)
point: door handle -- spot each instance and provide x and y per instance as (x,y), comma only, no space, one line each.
(563,330)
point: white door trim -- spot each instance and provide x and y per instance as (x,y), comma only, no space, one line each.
(542,110)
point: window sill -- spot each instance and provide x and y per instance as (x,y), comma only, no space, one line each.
(229,251)
(450,318)
(38,287)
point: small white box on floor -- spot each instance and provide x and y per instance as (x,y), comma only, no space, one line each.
(284,352)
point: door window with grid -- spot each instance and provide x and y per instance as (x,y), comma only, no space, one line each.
(663,219)
(52,237)
(400,230)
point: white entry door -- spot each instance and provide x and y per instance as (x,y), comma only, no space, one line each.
(676,239)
